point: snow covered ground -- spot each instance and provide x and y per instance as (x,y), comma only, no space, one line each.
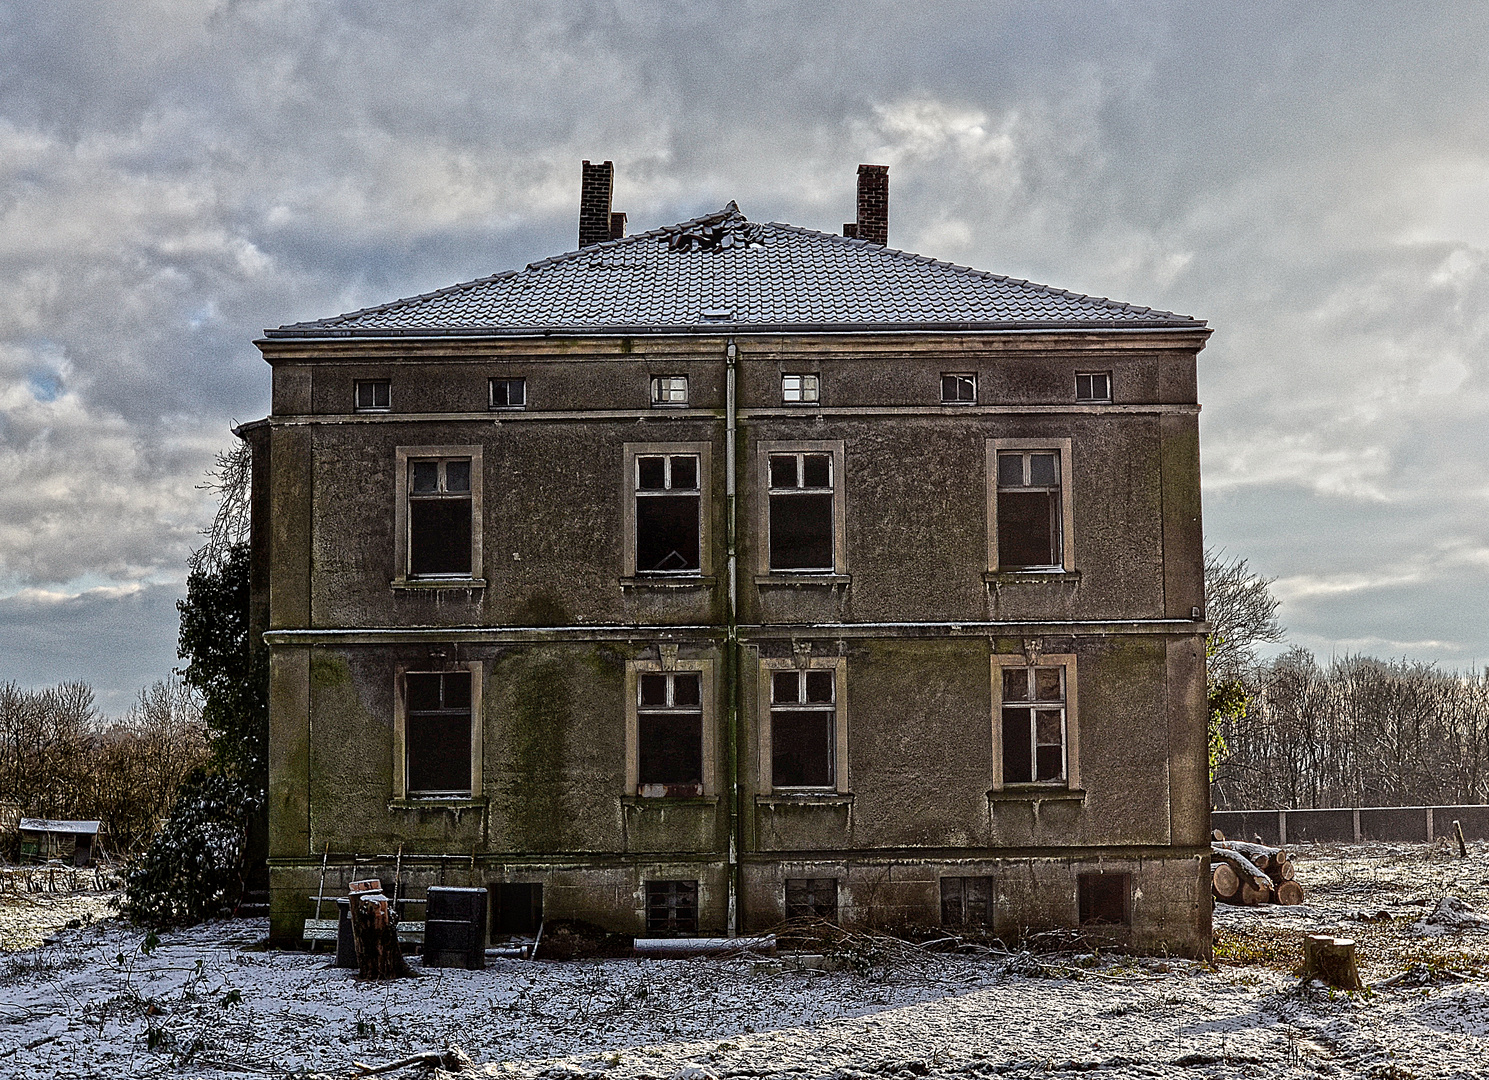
(211,1002)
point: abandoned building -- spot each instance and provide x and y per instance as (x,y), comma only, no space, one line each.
(732,571)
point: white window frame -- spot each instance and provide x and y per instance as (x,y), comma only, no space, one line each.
(703,451)
(357,385)
(1067,501)
(669,391)
(839,506)
(1107,375)
(970,376)
(491,392)
(801,388)
(400,730)
(708,693)
(1001,661)
(838,665)
(402,455)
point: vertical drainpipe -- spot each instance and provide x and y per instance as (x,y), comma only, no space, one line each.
(731,640)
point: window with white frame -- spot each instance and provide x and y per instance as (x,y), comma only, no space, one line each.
(959,388)
(1093,386)
(669,389)
(802,519)
(1034,724)
(669,733)
(800,389)
(438,734)
(373,395)
(668,513)
(803,729)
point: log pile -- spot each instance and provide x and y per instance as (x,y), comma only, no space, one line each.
(1251,874)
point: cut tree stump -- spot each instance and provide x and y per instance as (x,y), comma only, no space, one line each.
(1331,960)
(376,937)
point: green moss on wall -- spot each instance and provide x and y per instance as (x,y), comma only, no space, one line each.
(328,671)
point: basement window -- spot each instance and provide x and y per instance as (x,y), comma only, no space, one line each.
(669,733)
(437,734)
(668,502)
(516,909)
(803,729)
(800,389)
(966,901)
(1093,386)
(374,395)
(507,394)
(439,517)
(671,908)
(801,512)
(669,390)
(1104,899)
(959,389)
(812,898)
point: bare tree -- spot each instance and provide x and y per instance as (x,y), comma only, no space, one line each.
(1242,613)
(232,479)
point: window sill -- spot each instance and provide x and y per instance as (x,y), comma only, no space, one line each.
(805,798)
(662,802)
(663,582)
(466,583)
(1032,577)
(806,578)
(437,802)
(1036,793)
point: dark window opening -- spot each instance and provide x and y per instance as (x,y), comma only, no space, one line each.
(1104,899)
(669,723)
(668,505)
(1028,511)
(374,395)
(803,729)
(508,394)
(801,512)
(1093,386)
(966,901)
(437,732)
(439,517)
(812,898)
(516,909)
(1033,725)
(958,389)
(671,908)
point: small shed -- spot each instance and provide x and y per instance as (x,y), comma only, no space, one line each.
(45,838)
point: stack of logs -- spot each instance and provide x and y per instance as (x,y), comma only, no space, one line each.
(1251,874)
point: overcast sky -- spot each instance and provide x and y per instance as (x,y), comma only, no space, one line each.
(1313,179)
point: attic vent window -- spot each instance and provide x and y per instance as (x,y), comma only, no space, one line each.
(717,314)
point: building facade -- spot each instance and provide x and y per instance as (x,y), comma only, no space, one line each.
(734,571)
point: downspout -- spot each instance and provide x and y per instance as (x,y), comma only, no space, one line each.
(731,634)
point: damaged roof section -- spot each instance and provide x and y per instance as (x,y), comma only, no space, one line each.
(770,277)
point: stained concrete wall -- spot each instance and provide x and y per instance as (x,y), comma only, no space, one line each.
(1412,824)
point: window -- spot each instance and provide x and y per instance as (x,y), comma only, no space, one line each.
(812,898)
(966,901)
(1104,899)
(508,394)
(435,735)
(1093,386)
(958,389)
(669,389)
(800,389)
(803,729)
(438,512)
(669,733)
(801,512)
(670,728)
(1030,526)
(374,395)
(516,909)
(668,502)
(671,908)
(1033,724)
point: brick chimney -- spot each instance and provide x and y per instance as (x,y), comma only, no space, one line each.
(873,205)
(596,221)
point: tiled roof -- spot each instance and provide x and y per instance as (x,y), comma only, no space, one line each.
(723,273)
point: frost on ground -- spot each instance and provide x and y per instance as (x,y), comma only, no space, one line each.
(211,1002)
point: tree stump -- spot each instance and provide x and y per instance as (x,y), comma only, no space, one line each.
(376,937)
(1331,960)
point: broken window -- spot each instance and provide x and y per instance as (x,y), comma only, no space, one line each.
(803,728)
(508,394)
(669,730)
(812,898)
(801,512)
(966,901)
(800,389)
(437,732)
(439,517)
(374,395)
(1104,899)
(1033,724)
(669,389)
(668,502)
(959,389)
(671,908)
(1029,530)
(516,909)
(1093,386)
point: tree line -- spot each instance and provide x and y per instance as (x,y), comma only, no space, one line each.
(1289,732)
